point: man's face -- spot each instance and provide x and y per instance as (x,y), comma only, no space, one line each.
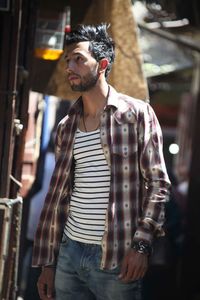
(81,67)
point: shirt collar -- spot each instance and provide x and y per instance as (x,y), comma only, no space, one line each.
(77,107)
(112,98)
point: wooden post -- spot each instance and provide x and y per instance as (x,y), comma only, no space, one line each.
(8,80)
(190,273)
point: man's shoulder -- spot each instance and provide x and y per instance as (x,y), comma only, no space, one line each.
(126,102)
(132,101)
(118,98)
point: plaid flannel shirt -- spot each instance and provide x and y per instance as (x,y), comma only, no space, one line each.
(131,139)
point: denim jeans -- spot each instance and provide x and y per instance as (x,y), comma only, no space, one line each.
(79,277)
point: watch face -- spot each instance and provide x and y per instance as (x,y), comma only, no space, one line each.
(142,247)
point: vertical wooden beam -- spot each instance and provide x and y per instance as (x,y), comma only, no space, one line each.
(8,79)
(190,273)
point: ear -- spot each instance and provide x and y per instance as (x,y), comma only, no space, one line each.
(103,64)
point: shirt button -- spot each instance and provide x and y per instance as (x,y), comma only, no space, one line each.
(125,128)
(125,151)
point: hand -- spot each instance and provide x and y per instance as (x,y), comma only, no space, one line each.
(45,283)
(134,266)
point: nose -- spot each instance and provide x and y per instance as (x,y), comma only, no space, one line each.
(69,67)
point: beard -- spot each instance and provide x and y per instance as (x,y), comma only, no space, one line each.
(87,82)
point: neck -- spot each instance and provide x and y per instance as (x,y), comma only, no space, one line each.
(95,100)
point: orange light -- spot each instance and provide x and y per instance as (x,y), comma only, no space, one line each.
(48,54)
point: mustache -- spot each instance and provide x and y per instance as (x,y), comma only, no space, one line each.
(73,74)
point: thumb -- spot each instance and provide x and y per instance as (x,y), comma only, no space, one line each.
(49,292)
(123,269)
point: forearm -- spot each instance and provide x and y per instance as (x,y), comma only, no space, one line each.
(150,223)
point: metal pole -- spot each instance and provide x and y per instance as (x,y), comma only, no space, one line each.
(182,40)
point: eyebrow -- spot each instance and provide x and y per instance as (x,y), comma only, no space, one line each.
(76,53)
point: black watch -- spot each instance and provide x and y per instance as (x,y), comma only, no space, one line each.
(142,247)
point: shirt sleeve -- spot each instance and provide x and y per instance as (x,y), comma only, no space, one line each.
(154,175)
(58,141)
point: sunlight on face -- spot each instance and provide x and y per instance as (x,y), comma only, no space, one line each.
(81,67)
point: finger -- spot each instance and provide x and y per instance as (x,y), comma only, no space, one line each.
(49,292)
(128,276)
(129,271)
(143,272)
(136,275)
(41,290)
(123,270)
(133,273)
(139,273)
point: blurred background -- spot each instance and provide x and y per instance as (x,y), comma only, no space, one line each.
(157,60)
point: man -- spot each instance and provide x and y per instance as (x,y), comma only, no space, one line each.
(107,195)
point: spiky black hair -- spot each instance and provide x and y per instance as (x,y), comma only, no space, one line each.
(101,44)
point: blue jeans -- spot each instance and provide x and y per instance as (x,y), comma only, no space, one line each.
(79,277)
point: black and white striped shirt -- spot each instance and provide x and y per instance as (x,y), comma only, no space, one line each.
(91,189)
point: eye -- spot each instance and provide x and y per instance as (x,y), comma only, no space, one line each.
(67,60)
(79,58)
